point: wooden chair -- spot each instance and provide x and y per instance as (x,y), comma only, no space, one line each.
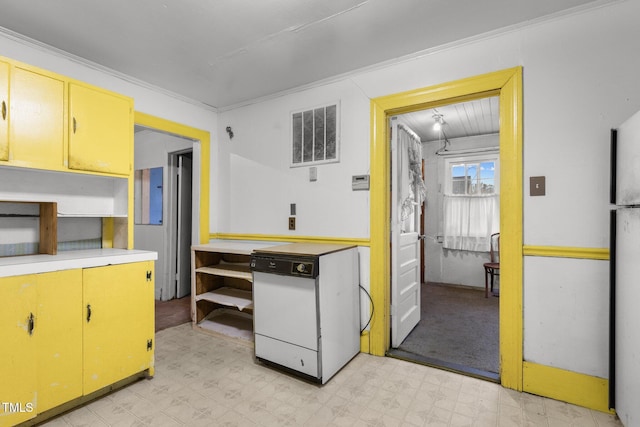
(492,267)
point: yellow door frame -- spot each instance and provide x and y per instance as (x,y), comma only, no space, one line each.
(204,138)
(507,84)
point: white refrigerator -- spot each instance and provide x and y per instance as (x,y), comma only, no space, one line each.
(624,356)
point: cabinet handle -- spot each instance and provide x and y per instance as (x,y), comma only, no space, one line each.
(31,323)
(88,312)
(74,125)
(4,110)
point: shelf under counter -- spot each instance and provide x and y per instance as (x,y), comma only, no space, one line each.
(231,297)
(221,292)
(235,270)
(229,323)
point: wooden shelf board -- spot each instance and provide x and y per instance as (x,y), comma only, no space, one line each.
(230,323)
(238,271)
(229,296)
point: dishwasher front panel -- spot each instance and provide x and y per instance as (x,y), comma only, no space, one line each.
(288,355)
(285,309)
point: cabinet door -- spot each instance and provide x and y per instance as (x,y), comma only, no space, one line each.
(59,334)
(118,322)
(4,111)
(37,120)
(101,131)
(18,321)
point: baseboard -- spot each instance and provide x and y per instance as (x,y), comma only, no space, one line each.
(364,342)
(567,386)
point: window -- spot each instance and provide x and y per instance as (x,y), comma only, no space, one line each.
(471,202)
(148,196)
(314,135)
(473,178)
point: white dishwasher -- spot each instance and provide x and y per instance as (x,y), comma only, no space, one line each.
(306,308)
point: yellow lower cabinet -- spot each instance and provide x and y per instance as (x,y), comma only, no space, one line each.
(59,334)
(17,349)
(118,323)
(41,343)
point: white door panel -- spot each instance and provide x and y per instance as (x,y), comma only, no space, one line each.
(627,316)
(628,162)
(183,263)
(405,246)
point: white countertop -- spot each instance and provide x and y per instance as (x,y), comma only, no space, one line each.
(34,264)
(312,249)
(242,247)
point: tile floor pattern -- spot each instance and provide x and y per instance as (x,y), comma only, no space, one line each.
(202,380)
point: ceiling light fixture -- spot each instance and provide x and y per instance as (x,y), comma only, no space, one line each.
(439,122)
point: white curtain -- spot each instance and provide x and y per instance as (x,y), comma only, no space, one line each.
(411,187)
(469,222)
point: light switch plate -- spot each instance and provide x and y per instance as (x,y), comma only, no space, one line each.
(537,186)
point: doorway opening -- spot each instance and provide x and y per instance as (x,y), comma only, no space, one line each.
(455,326)
(169,196)
(178,311)
(507,85)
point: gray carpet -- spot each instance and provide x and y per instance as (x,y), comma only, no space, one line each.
(458,327)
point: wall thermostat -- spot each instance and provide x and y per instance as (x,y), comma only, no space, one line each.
(360,182)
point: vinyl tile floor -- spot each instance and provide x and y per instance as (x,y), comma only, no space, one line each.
(203,380)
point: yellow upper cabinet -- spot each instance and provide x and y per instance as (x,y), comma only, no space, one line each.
(100,130)
(36,128)
(4,110)
(52,122)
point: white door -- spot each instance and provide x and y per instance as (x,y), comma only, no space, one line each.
(405,239)
(627,316)
(183,261)
(626,377)
(628,162)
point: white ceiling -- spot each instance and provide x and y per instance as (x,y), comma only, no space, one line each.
(463,119)
(226,52)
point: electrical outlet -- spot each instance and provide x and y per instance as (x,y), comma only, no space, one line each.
(292,223)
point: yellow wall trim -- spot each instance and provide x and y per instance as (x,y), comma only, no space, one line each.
(566,252)
(284,238)
(364,342)
(204,138)
(572,387)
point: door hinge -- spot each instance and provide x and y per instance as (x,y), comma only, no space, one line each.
(149,345)
(149,276)
(392,310)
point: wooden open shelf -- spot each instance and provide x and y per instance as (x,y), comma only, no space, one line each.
(48,219)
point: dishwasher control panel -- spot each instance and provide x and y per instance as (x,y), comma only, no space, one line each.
(285,265)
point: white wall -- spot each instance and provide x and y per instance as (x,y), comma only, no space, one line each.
(580,79)
(259,186)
